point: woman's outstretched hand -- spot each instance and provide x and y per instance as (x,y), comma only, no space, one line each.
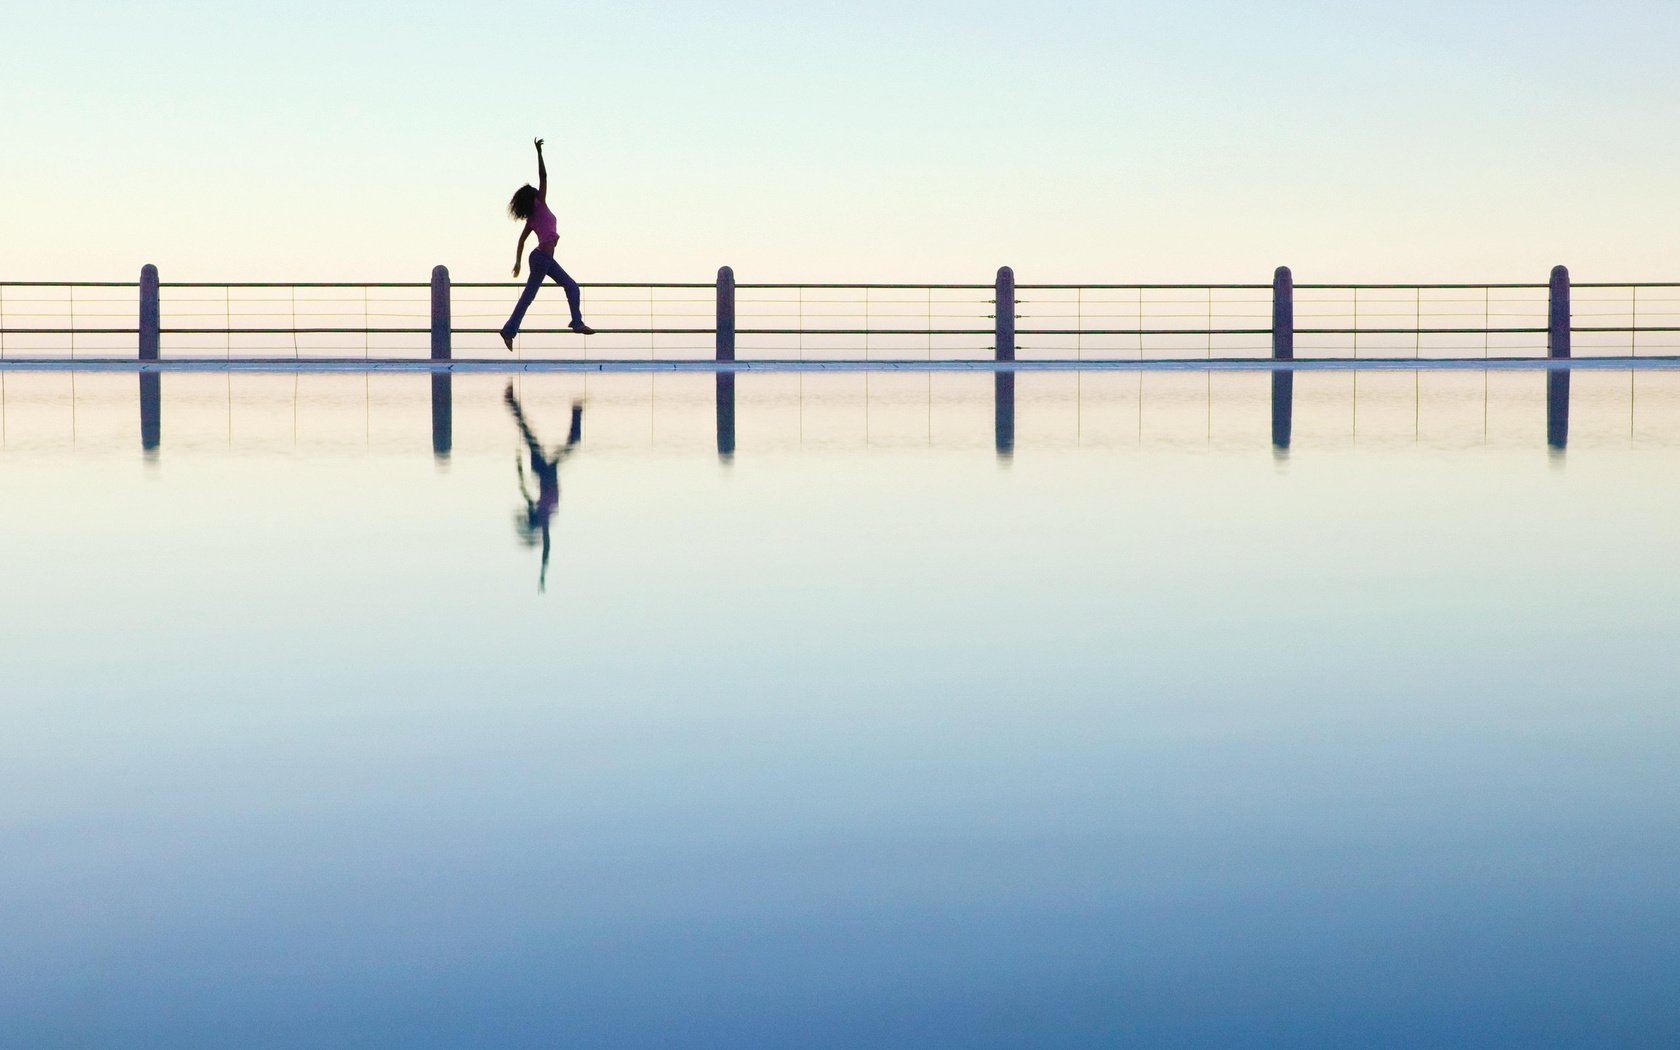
(537,143)
(516,269)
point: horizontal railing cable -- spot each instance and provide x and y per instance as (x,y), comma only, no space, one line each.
(1301,286)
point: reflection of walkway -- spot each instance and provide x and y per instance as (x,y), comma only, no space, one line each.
(533,523)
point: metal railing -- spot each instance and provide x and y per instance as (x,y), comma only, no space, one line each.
(841,321)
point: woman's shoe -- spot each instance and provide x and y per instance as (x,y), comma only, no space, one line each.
(581,329)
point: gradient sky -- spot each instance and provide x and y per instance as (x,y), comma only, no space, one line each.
(1203,140)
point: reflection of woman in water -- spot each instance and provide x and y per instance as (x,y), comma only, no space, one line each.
(530,204)
(533,522)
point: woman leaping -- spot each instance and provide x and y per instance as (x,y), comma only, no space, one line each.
(535,520)
(531,205)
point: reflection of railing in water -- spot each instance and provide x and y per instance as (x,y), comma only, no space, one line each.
(725,397)
(1557,409)
(443,414)
(1003,414)
(725,320)
(151,412)
(1283,408)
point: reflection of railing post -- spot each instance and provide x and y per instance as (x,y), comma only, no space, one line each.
(151,413)
(1557,319)
(441,329)
(1283,408)
(1003,342)
(725,415)
(1557,409)
(1003,414)
(150,315)
(1283,315)
(443,414)
(725,314)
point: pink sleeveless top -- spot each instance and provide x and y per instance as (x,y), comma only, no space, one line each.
(543,224)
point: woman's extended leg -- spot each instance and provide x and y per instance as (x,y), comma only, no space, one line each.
(512,401)
(532,283)
(574,294)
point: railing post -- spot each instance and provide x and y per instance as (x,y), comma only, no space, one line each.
(1003,339)
(1283,315)
(151,318)
(441,328)
(725,314)
(1557,321)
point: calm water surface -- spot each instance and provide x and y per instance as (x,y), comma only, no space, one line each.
(889,710)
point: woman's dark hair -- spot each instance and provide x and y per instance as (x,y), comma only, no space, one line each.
(523,199)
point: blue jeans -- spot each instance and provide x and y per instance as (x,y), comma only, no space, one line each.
(543,265)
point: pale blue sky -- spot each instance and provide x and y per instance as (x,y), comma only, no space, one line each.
(936,141)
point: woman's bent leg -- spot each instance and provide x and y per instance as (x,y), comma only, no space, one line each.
(532,283)
(574,294)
